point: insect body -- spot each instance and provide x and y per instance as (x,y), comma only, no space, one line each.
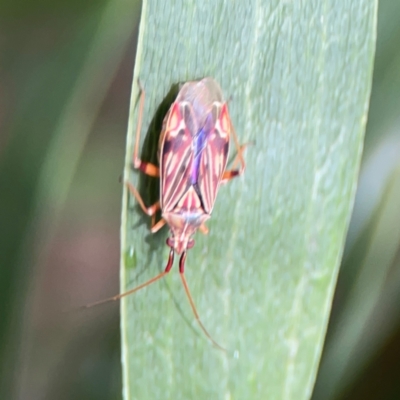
(193,154)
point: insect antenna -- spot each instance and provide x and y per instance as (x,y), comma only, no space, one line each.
(192,305)
(137,288)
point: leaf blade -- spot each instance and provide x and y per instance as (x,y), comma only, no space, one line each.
(276,235)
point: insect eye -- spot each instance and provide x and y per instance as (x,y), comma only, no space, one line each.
(190,243)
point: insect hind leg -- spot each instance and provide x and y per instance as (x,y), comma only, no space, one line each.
(150,211)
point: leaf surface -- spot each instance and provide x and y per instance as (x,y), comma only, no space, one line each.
(298,77)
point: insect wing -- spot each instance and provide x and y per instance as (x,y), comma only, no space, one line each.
(214,156)
(176,155)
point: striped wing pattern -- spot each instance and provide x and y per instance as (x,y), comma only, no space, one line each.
(176,158)
(214,159)
(194,152)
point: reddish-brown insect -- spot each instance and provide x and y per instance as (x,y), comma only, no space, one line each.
(193,154)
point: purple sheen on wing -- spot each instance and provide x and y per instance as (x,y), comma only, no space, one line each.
(199,144)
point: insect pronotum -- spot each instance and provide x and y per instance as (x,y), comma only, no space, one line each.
(192,153)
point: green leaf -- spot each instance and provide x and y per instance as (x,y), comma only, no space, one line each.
(299,78)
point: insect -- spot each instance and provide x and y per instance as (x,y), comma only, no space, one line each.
(193,153)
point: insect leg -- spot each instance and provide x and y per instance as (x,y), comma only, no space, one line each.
(228,175)
(232,173)
(203,229)
(137,288)
(240,149)
(155,227)
(147,168)
(150,211)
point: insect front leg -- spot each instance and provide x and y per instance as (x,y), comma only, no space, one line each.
(147,168)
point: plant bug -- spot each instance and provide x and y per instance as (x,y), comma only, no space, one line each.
(193,153)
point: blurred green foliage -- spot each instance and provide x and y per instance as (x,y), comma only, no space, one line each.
(59,67)
(14,11)
(35,114)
